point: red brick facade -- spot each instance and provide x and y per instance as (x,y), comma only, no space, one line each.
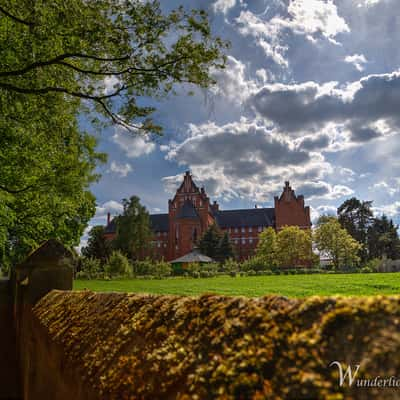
(190,213)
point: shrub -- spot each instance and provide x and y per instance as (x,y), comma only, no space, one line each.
(159,269)
(233,274)
(230,265)
(143,267)
(366,270)
(90,268)
(372,265)
(118,265)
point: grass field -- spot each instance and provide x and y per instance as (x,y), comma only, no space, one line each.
(286,285)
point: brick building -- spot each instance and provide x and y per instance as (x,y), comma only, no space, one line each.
(191,212)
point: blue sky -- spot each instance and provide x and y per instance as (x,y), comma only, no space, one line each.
(311,94)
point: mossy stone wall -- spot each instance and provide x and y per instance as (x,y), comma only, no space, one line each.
(126,346)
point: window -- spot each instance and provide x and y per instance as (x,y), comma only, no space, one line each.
(158,233)
(260,228)
(236,241)
(158,244)
(243,240)
(236,230)
(250,229)
(250,240)
(243,229)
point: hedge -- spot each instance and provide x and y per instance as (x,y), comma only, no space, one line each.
(216,347)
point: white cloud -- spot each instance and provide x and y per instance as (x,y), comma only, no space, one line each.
(358,60)
(391,210)
(232,82)
(266,33)
(110,84)
(120,169)
(244,159)
(384,187)
(223,6)
(368,3)
(113,207)
(312,19)
(133,145)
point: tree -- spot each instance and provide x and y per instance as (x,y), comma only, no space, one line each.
(335,242)
(293,247)
(209,243)
(97,245)
(225,248)
(133,233)
(46,168)
(356,217)
(383,239)
(267,247)
(61,58)
(118,264)
(101,50)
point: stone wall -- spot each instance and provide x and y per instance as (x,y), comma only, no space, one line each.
(120,346)
(8,360)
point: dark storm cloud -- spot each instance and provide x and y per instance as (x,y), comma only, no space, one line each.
(296,108)
(315,143)
(242,148)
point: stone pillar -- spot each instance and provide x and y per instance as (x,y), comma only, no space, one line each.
(45,269)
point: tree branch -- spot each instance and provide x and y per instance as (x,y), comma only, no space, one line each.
(15,191)
(16,19)
(56,60)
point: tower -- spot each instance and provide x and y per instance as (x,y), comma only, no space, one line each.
(189,215)
(290,210)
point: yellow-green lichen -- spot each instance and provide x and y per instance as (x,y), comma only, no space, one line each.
(213,347)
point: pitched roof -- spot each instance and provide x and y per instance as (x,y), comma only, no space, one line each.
(187,210)
(158,223)
(245,217)
(193,256)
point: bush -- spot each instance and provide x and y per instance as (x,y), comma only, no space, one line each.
(118,265)
(158,269)
(90,268)
(366,270)
(230,265)
(372,265)
(143,267)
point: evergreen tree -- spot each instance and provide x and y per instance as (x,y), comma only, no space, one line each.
(133,229)
(383,239)
(97,245)
(225,248)
(209,244)
(356,217)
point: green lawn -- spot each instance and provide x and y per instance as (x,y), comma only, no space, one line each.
(286,285)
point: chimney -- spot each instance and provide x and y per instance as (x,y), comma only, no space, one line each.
(215,206)
(108,218)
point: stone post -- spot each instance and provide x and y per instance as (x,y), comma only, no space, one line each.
(45,269)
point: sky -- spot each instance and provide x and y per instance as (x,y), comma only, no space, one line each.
(310,94)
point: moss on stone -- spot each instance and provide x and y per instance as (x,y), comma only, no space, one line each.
(214,347)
